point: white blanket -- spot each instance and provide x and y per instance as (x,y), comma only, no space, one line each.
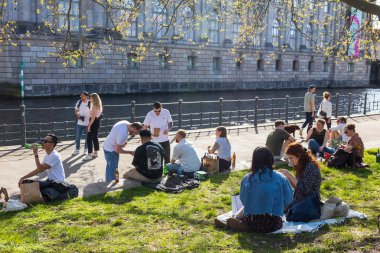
(294,227)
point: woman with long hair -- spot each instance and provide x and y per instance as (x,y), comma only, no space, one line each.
(96,110)
(307,180)
(222,147)
(326,108)
(264,193)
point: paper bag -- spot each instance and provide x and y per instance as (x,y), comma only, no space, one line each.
(211,164)
(30,192)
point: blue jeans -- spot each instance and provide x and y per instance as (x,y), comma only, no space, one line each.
(112,159)
(175,168)
(314,147)
(78,134)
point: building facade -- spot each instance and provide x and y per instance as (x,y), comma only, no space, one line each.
(179,63)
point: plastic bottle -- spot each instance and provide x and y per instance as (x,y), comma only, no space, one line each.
(29,146)
(165,169)
(378,157)
(117,176)
(233,160)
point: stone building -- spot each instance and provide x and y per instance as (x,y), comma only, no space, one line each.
(190,68)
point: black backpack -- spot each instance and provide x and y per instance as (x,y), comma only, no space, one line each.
(339,159)
(80,102)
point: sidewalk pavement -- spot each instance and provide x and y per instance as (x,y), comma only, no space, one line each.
(88,176)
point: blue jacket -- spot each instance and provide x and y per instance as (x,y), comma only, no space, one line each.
(266,193)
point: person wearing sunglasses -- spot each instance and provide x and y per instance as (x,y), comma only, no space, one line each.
(354,146)
(160,122)
(52,162)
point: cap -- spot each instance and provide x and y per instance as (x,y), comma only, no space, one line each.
(145,133)
(311,86)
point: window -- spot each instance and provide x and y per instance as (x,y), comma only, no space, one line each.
(279,63)
(326,66)
(324,39)
(216,64)
(235,31)
(159,20)
(310,66)
(276,33)
(326,7)
(309,35)
(188,23)
(260,63)
(63,9)
(191,62)
(312,5)
(213,31)
(292,36)
(295,65)
(132,61)
(163,59)
(350,67)
(239,62)
(128,7)
(257,40)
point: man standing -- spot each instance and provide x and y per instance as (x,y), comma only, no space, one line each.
(115,143)
(147,160)
(309,108)
(186,154)
(82,112)
(160,123)
(52,162)
(278,139)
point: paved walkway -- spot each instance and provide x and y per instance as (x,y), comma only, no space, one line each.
(88,176)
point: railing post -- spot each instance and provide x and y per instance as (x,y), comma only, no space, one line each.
(287,109)
(256,109)
(133,111)
(365,104)
(238,120)
(220,111)
(272,110)
(180,113)
(337,105)
(66,127)
(201,123)
(23,125)
(349,104)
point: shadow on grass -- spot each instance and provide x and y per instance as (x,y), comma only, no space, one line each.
(219,178)
(360,172)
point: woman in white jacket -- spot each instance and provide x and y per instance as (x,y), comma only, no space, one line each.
(325,109)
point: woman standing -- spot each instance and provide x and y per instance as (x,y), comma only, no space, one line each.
(307,181)
(222,147)
(264,193)
(96,110)
(325,109)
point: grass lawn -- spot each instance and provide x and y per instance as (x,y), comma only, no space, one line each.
(144,220)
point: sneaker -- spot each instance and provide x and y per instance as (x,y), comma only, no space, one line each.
(87,157)
(76,152)
(95,154)
(85,151)
(237,225)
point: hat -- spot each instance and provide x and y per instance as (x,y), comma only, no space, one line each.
(311,86)
(145,133)
(85,93)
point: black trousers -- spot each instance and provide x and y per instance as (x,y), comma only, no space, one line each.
(166,146)
(92,136)
(224,165)
(309,121)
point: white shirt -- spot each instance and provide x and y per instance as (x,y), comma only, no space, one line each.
(340,128)
(326,106)
(224,150)
(84,110)
(161,121)
(56,171)
(187,155)
(117,136)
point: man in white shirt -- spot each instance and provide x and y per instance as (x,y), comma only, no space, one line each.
(160,123)
(82,112)
(52,162)
(115,143)
(185,153)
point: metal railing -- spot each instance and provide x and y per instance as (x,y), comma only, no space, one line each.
(36,122)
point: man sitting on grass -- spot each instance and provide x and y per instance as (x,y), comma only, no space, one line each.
(147,161)
(278,139)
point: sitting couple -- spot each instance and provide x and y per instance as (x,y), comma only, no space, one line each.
(266,194)
(148,159)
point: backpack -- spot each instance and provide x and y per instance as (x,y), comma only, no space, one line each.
(80,102)
(339,159)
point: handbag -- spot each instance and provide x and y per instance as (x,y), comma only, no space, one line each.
(306,210)
(30,192)
(323,113)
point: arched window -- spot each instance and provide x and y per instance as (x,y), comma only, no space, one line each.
(188,23)
(159,19)
(276,33)
(292,36)
(325,33)
(309,35)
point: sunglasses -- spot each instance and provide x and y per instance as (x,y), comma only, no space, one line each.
(345,132)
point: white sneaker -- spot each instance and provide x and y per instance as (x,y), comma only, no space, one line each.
(85,151)
(87,158)
(95,154)
(76,152)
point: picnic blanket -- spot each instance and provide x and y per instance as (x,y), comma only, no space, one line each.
(293,227)
(174,184)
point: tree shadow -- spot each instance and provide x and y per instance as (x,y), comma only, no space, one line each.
(359,172)
(220,177)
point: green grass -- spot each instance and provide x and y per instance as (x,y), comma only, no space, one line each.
(144,220)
